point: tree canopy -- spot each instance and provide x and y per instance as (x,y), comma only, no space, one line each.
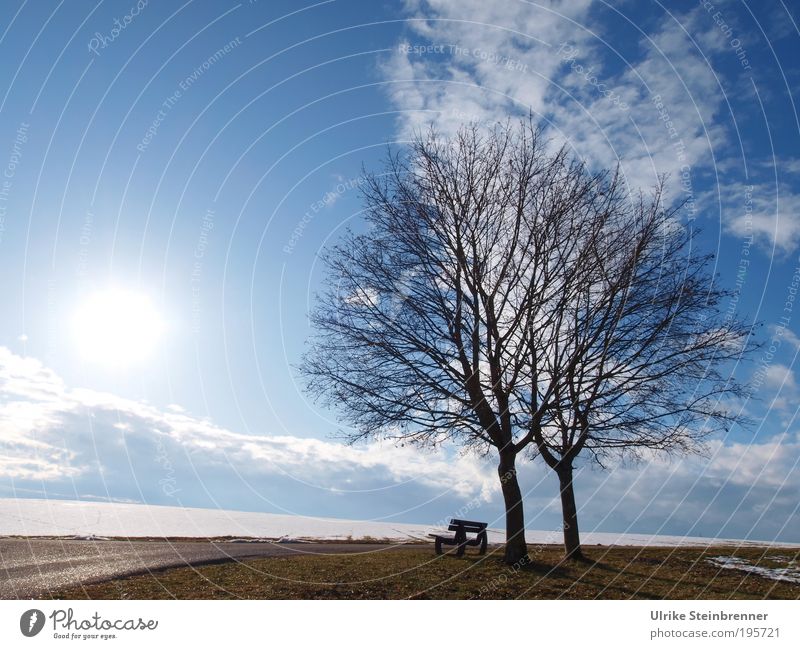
(503,297)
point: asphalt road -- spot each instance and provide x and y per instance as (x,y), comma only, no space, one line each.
(34,568)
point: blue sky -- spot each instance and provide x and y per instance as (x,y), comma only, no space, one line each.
(201,154)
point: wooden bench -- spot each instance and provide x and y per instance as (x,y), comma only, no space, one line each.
(461,528)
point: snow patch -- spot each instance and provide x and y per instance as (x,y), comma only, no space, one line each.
(790,574)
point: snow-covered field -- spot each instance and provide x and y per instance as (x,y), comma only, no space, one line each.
(29,517)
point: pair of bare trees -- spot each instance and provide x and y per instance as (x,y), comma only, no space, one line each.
(506,299)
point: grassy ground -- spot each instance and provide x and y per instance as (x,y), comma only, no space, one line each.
(399,573)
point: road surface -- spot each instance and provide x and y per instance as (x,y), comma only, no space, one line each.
(34,568)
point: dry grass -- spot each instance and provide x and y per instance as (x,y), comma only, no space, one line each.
(400,573)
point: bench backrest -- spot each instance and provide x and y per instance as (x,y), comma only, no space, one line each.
(467,526)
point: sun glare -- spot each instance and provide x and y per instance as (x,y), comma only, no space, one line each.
(117,327)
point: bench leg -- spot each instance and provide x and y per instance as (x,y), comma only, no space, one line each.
(461,540)
(438,546)
(484,542)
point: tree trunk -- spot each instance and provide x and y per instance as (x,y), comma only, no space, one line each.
(516,548)
(572,539)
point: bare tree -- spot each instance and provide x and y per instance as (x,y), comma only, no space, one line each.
(635,355)
(491,301)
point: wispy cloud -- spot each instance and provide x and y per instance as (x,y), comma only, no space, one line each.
(771,218)
(646,96)
(497,59)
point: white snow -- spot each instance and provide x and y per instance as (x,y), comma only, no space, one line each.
(84,519)
(791,573)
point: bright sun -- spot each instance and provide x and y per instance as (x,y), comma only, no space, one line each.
(117,327)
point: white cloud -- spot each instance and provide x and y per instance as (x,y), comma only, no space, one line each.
(510,58)
(771,216)
(779,377)
(737,490)
(48,430)
(790,337)
(55,440)
(570,66)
